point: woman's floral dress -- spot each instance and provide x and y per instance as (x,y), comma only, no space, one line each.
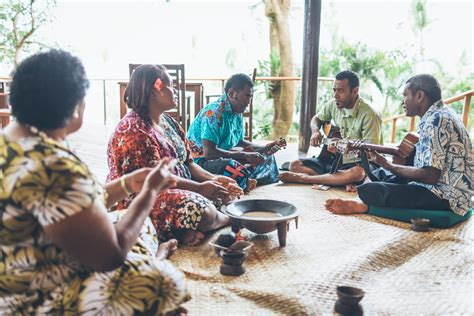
(136,144)
(43,183)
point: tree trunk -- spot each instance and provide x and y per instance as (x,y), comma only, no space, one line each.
(283,93)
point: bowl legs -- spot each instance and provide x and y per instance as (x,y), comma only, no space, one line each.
(236,226)
(282,229)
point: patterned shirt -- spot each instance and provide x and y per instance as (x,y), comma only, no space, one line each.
(216,123)
(445,145)
(363,122)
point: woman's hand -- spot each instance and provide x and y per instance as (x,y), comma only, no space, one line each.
(231,186)
(213,190)
(135,179)
(160,177)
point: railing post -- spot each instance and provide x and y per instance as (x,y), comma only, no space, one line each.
(394,127)
(105,101)
(465,110)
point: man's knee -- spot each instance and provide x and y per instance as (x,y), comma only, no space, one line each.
(295,165)
(357,173)
(372,193)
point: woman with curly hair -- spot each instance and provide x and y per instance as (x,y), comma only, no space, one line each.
(61,252)
(148,134)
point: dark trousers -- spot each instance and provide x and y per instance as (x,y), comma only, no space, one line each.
(410,196)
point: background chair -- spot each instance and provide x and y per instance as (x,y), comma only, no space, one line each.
(5,111)
(248,115)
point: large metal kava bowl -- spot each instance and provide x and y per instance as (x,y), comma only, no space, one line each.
(262,225)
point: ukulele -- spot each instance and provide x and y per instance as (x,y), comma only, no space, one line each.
(273,147)
(269,149)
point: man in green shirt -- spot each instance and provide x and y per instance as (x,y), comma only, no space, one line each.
(355,119)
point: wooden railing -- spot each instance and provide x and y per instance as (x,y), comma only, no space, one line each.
(467,96)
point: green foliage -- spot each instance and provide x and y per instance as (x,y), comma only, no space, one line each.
(382,73)
(268,68)
(420,15)
(19,20)
(264,131)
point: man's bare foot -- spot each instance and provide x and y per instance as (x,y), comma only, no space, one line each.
(251,185)
(191,237)
(340,206)
(167,249)
(293,177)
(351,188)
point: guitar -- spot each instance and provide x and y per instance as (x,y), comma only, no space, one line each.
(403,154)
(331,132)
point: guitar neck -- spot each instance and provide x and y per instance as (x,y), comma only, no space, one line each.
(390,150)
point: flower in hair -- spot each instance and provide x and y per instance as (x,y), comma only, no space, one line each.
(158,84)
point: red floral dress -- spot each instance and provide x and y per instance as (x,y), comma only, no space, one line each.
(136,144)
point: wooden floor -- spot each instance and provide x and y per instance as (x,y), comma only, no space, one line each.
(90,143)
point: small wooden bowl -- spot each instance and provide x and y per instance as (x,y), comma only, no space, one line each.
(420,224)
(349,295)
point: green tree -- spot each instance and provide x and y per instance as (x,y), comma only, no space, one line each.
(19,21)
(283,93)
(420,22)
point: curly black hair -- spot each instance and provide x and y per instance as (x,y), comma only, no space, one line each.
(238,82)
(140,88)
(46,88)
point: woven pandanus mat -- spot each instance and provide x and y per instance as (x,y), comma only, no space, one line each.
(401,271)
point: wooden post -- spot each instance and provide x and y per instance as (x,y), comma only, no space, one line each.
(412,124)
(394,128)
(465,110)
(309,84)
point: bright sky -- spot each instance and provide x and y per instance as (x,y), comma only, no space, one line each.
(108,35)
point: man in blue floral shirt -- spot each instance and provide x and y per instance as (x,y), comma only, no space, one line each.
(442,175)
(218,129)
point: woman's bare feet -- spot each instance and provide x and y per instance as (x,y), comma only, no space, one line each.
(293,177)
(190,237)
(251,185)
(340,206)
(167,249)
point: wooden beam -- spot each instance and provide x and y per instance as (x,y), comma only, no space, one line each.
(465,110)
(309,84)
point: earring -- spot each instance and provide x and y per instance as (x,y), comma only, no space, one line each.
(75,115)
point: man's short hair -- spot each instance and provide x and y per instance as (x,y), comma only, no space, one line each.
(426,83)
(238,82)
(350,76)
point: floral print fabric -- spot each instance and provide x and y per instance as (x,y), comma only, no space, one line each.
(136,144)
(42,183)
(445,145)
